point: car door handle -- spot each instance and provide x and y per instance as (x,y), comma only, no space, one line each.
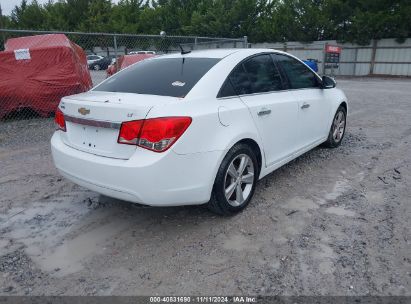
(305,106)
(263,112)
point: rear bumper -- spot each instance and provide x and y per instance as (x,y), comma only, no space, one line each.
(156,179)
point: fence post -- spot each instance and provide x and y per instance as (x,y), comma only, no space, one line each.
(115,50)
(245,41)
(324,56)
(374,51)
(195,43)
(355,61)
(3,36)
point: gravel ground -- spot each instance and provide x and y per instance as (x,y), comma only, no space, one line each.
(332,222)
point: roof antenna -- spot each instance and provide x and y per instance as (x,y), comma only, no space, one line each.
(183,52)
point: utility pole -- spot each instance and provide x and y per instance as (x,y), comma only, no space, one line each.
(3,38)
(1,17)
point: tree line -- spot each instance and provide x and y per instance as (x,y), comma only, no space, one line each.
(356,21)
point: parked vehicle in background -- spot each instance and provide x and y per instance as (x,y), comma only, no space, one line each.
(93,58)
(101,64)
(312,63)
(142,52)
(37,71)
(196,128)
(114,58)
(125,61)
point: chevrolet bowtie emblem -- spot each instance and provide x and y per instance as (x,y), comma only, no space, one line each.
(83,111)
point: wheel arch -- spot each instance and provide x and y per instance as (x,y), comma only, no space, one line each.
(344,105)
(248,140)
(255,147)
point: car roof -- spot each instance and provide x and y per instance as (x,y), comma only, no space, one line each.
(215,53)
(218,53)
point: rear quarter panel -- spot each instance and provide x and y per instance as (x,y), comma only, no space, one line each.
(206,132)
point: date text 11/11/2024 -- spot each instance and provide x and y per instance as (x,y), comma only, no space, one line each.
(203,299)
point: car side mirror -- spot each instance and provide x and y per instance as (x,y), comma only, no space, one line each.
(328,82)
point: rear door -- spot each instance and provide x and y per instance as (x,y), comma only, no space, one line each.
(274,110)
(313,107)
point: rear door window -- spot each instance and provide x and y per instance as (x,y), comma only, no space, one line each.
(166,77)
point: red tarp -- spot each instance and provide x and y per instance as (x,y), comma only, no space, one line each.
(126,60)
(37,71)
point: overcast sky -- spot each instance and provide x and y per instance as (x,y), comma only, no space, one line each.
(8,5)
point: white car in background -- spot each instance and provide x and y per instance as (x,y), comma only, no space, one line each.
(197,128)
(142,52)
(93,58)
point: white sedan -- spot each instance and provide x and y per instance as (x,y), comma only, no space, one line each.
(196,128)
(93,58)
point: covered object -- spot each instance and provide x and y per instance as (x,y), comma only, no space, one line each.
(37,71)
(125,61)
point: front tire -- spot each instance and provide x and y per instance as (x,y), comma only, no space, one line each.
(337,130)
(235,182)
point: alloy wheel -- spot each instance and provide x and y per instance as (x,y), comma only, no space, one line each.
(239,180)
(339,126)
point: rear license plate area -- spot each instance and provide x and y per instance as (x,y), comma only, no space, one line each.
(91,137)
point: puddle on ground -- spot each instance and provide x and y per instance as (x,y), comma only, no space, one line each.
(215,260)
(301,204)
(326,252)
(62,235)
(340,211)
(324,258)
(326,267)
(374,197)
(339,188)
(3,245)
(69,256)
(275,264)
(239,242)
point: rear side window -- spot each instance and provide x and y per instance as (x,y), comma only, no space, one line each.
(166,77)
(240,80)
(298,74)
(255,75)
(227,89)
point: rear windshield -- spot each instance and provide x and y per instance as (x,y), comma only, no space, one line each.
(166,77)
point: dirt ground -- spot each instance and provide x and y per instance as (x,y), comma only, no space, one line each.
(332,222)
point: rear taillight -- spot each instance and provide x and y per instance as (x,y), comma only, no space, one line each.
(129,132)
(59,120)
(156,134)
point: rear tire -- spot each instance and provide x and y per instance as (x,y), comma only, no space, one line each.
(97,67)
(337,129)
(235,182)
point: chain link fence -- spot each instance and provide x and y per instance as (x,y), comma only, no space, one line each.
(40,67)
(383,57)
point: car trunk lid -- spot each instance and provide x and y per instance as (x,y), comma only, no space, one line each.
(93,120)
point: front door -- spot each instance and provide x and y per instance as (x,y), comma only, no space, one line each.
(313,107)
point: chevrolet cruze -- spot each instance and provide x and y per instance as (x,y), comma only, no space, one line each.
(196,128)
